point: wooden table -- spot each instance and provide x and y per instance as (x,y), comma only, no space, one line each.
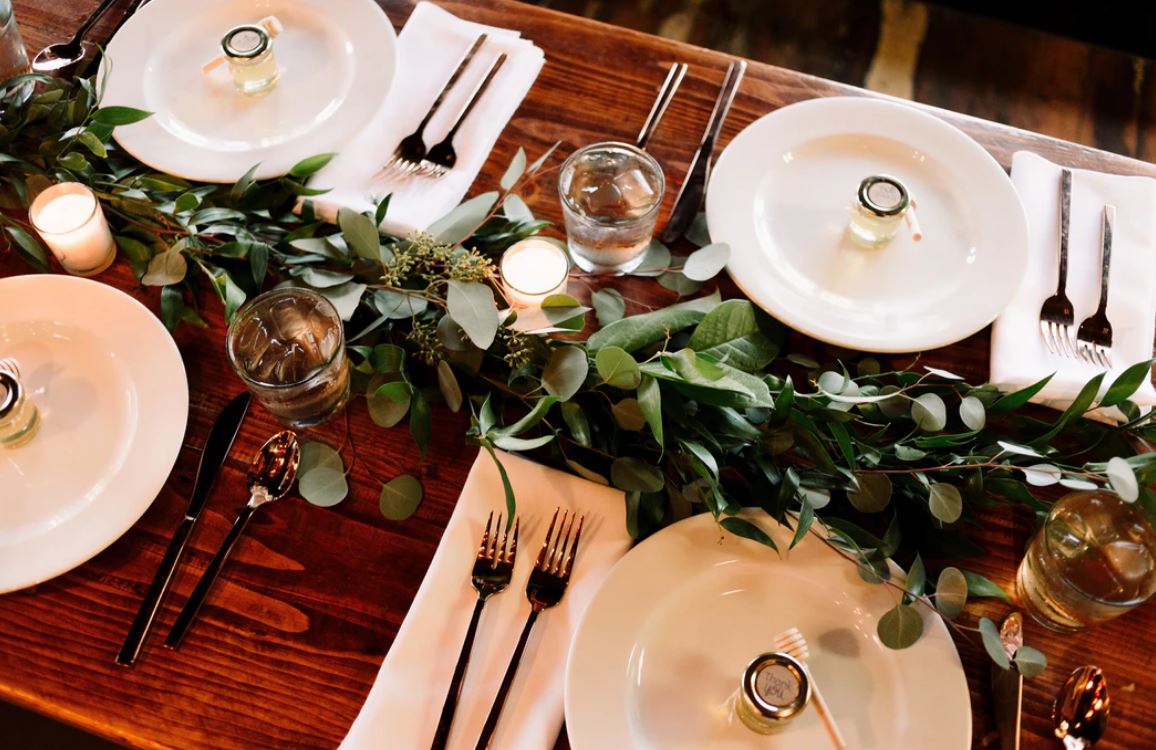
(290,642)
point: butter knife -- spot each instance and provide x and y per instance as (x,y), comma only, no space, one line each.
(693,188)
(1007,685)
(220,440)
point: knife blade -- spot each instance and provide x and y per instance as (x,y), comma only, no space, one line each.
(221,436)
(693,188)
(1007,685)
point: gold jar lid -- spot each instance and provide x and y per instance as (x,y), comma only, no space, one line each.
(883,195)
(12,393)
(776,687)
(245,42)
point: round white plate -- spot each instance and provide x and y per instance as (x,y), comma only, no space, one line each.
(781,195)
(338,59)
(113,399)
(664,643)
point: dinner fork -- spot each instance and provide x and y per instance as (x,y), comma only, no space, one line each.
(548,581)
(442,157)
(493,568)
(409,153)
(1094,336)
(1057,316)
(792,643)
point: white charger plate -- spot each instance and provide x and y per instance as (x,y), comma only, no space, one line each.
(113,399)
(781,195)
(337,58)
(663,645)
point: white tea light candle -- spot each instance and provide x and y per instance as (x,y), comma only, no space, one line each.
(532,270)
(69,220)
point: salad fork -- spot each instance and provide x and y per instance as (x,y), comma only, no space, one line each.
(407,157)
(792,643)
(493,569)
(442,156)
(548,581)
(1057,316)
(1094,336)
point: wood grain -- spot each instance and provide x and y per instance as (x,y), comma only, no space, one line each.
(287,648)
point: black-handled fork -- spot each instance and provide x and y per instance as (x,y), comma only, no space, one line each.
(442,156)
(548,581)
(1057,314)
(1094,336)
(493,569)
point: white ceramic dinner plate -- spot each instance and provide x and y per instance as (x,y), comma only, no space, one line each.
(113,399)
(781,195)
(662,647)
(337,59)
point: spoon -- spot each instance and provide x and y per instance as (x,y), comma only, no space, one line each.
(1080,713)
(271,474)
(56,58)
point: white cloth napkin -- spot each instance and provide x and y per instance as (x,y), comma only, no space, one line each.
(1018,354)
(403,707)
(429,49)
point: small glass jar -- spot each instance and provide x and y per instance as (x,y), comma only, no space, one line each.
(775,689)
(879,209)
(19,418)
(249,52)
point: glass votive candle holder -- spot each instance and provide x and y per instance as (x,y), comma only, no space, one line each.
(532,270)
(69,219)
(19,417)
(288,347)
(1094,559)
(611,193)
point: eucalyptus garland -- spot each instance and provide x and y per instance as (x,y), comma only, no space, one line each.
(689,408)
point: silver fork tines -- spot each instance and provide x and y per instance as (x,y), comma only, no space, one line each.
(1094,336)
(1057,315)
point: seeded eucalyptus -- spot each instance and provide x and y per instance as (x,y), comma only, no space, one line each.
(689,408)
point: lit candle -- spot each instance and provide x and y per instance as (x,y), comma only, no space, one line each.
(69,220)
(532,270)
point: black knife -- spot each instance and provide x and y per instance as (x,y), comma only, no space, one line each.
(693,188)
(220,440)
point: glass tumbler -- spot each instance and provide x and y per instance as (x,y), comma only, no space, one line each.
(289,347)
(13,56)
(611,193)
(1094,559)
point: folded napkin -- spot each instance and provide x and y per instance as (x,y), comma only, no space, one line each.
(429,49)
(405,703)
(1018,354)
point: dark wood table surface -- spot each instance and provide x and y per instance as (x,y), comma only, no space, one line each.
(288,645)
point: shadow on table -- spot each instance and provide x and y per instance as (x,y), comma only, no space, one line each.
(29,731)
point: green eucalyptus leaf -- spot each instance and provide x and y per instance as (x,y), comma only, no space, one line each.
(513,444)
(992,643)
(1030,662)
(576,421)
(945,502)
(676,282)
(29,248)
(420,422)
(731,334)
(747,530)
(532,418)
(400,497)
(1016,399)
(608,306)
(119,115)
(916,577)
(384,410)
(345,297)
(635,475)
(946,375)
(979,586)
(929,412)
(972,413)
(1041,475)
(1122,477)
(1127,383)
(565,372)
(655,261)
(320,278)
(900,627)
(803,523)
(515,209)
(515,171)
(617,368)
(448,383)
(166,268)
(310,166)
(360,233)
(873,493)
(951,592)
(698,233)
(321,475)
(1016,448)
(650,401)
(472,307)
(638,331)
(457,226)
(706,262)
(628,414)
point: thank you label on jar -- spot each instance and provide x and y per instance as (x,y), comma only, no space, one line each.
(886,195)
(777,685)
